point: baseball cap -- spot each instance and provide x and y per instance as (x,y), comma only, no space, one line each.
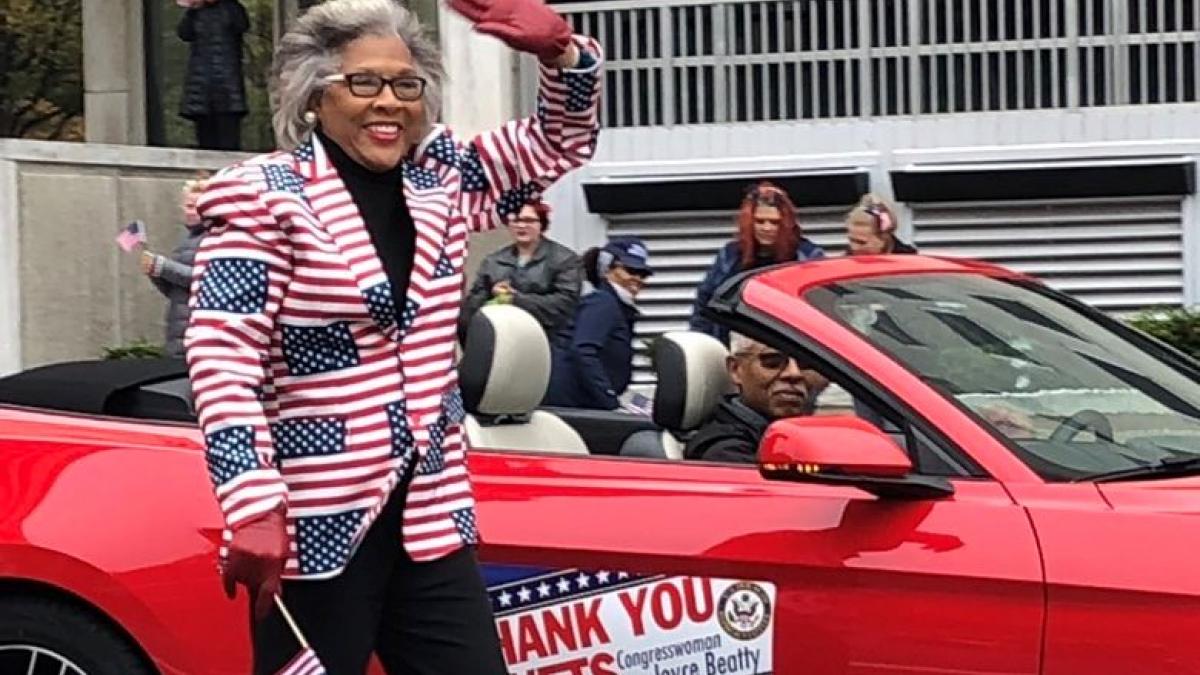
(631,253)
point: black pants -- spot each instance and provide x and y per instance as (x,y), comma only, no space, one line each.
(430,618)
(219,132)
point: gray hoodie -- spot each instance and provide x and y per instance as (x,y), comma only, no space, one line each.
(172,276)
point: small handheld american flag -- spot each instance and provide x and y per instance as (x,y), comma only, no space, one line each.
(638,404)
(306,662)
(132,235)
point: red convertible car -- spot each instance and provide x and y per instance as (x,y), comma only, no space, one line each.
(1008,482)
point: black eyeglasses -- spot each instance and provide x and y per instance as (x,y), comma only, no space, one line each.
(369,85)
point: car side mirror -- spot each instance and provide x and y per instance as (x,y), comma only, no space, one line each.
(843,450)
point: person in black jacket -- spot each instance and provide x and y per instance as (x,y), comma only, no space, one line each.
(593,355)
(214,92)
(537,274)
(771,385)
(871,229)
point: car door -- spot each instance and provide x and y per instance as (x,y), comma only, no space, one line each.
(1121,590)
(693,568)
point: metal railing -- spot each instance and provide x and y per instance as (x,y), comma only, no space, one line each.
(713,61)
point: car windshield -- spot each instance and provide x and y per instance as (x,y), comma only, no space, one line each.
(1075,399)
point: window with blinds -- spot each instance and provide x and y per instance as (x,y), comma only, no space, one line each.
(1120,254)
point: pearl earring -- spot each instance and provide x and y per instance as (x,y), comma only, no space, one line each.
(310,118)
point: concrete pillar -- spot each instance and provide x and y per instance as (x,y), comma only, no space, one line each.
(114,87)
(10,269)
(481,91)
(1191,251)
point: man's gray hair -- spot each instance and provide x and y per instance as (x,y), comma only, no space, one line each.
(740,344)
(310,51)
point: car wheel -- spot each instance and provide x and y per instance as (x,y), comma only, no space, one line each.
(46,636)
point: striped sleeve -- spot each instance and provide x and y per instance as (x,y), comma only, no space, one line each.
(242,267)
(504,168)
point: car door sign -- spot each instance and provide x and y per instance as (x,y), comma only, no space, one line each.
(598,622)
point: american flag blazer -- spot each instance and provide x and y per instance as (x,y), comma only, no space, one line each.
(313,389)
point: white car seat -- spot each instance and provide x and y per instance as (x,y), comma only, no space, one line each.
(692,379)
(504,372)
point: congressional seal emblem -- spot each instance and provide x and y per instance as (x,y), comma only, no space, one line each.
(744,611)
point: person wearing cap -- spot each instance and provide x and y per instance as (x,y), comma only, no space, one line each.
(767,234)
(593,354)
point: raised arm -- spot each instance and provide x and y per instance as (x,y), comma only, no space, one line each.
(504,168)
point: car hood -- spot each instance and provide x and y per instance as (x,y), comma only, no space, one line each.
(1160,495)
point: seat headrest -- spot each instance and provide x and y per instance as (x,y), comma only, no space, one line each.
(692,378)
(505,367)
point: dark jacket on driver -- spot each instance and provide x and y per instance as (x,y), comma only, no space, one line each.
(731,435)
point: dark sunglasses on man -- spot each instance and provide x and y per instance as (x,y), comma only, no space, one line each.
(773,361)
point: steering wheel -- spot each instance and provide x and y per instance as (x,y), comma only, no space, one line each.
(1083,420)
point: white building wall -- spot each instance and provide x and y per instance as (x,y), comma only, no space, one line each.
(881,145)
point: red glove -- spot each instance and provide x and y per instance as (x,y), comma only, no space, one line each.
(525,25)
(256,558)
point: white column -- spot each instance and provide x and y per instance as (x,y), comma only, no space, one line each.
(1191,250)
(114,89)
(10,270)
(481,90)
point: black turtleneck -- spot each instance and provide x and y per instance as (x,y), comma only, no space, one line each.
(379,197)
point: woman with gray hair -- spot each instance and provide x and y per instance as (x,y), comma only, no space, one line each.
(321,346)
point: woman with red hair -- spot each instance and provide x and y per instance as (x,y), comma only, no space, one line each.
(767,234)
(534,273)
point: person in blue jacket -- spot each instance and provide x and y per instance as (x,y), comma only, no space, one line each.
(593,354)
(768,234)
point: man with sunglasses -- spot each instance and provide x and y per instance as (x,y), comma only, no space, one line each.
(771,385)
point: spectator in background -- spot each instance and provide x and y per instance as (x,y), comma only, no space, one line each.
(767,234)
(771,385)
(172,275)
(214,91)
(534,273)
(593,355)
(871,229)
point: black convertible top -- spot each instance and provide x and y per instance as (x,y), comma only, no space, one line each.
(143,388)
